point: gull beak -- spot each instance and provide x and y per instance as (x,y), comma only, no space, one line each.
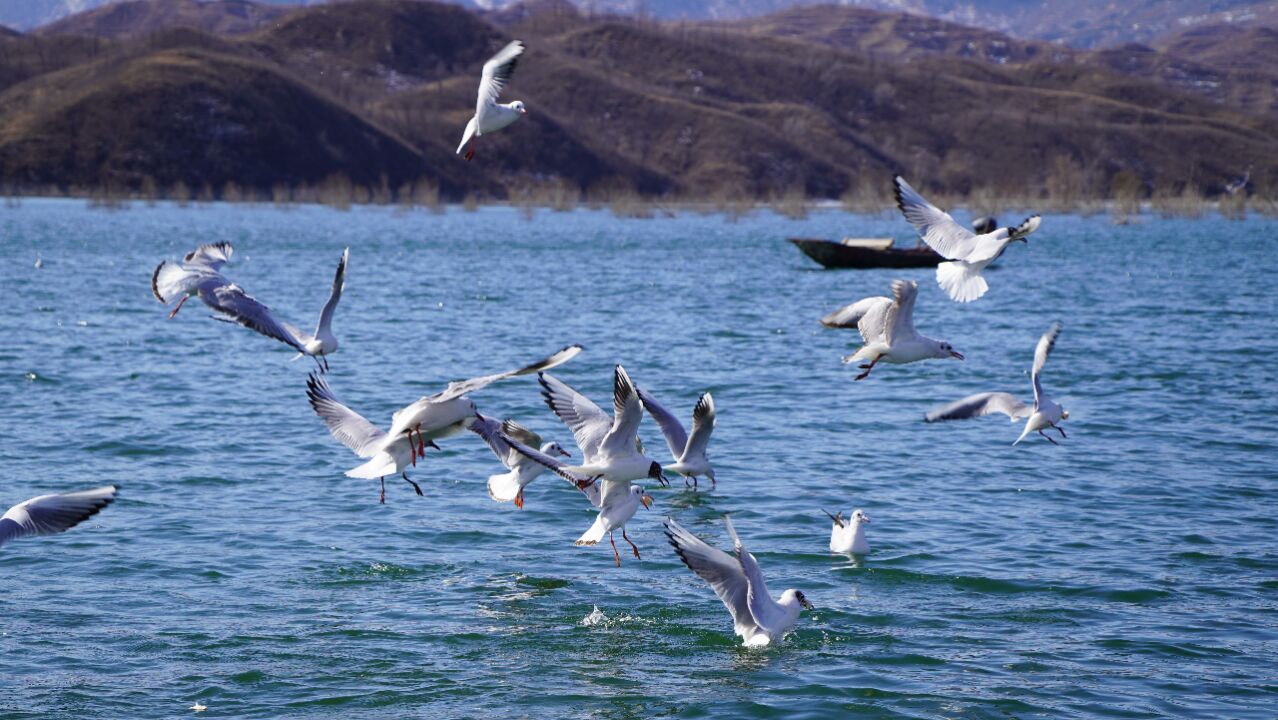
(564,452)
(523,111)
(865,519)
(646,499)
(956,354)
(804,602)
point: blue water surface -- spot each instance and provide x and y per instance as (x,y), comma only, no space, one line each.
(1131,572)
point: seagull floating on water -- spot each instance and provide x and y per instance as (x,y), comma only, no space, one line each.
(688,451)
(200,274)
(738,582)
(491,116)
(52,514)
(848,536)
(432,417)
(1042,415)
(616,501)
(967,252)
(323,342)
(509,487)
(887,327)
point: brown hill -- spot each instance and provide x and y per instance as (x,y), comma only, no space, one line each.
(811,101)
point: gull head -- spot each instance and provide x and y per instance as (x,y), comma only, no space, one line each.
(1064,414)
(655,473)
(859,516)
(518,106)
(554,448)
(946,350)
(644,498)
(790,597)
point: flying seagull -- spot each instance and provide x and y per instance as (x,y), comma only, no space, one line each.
(491,116)
(1042,415)
(848,536)
(738,582)
(509,487)
(616,501)
(200,274)
(432,417)
(323,342)
(52,514)
(967,252)
(887,327)
(688,451)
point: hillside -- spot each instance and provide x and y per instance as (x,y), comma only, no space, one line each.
(820,101)
(138,17)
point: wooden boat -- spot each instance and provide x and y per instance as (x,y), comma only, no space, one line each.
(866,253)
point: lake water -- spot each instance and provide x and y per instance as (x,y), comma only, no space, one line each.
(1131,572)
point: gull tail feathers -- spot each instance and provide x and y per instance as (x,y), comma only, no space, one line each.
(1024,434)
(960,281)
(504,487)
(594,534)
(381,465)
(869,351)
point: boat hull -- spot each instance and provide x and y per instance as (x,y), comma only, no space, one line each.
(837,255)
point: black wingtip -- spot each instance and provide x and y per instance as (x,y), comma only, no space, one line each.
(155,281)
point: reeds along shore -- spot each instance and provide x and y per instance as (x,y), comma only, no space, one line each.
(1067,189)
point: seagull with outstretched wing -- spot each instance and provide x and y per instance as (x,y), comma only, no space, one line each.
(490,115)
(688,451)
(967,252)
(738,582)
(1043,414)
(52,514)
(323,342)
(887,328)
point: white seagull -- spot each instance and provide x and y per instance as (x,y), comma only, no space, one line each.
(323,342)
(887,327)
(52,514)
(967,252)
(491,116)
(688,451)
(1042,415)
(200,274)
(616,501)
(848,536)
(432,417)
(738,582)
(509,486)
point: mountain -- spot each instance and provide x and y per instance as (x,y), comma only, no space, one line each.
(821,102)
(1082,23)
(136,17)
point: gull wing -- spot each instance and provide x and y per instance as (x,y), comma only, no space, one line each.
(979,405)
(463,387)
(339,284)
(497,72)
(762,607)
(491,432)
(1041,351)
(240,307)
(722,571)
(934,225)
(627,413)
(702,426)
(868,315)
(588,423)
(52,514)
(349,427)
(901,314)
(211,256)
(671,428)
(171,281)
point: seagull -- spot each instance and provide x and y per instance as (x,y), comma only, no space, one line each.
(969,253)
(509,487)
(52,514)
(738,582)
(491,116)
(197,707)
(1043,414)
(323,342)
(849,536)
(688,451)
(887,327)
(200,274)
(608,445)
(617,501)
(433,417)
